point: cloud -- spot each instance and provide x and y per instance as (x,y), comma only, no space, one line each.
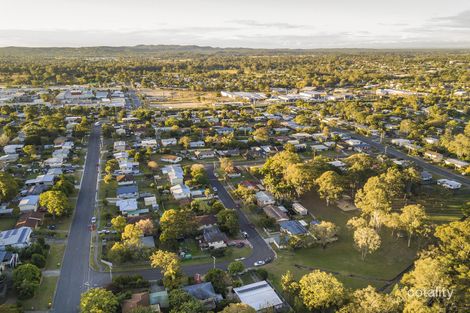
(461,20)
(253,23)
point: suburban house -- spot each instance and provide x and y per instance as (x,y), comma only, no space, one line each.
(29,203)
(169,142)
(175,174)
(119,146)
(125,179)
(214,237)
(152,143)
(197,144)
(15,238)
(292,227)
(205,221)
(180,191)
(47,180)
(204,154)
(264,198)
(449,184)
(299,208)
(205,293)
(127,205)
(456,163)
(137,300)
(30,219)
(171,158)
(435,156)
(126,192)
(8,260)
(260,296)
(275,212)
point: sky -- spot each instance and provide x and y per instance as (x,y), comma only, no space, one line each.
(237,23)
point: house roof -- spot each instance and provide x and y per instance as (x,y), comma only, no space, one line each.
(15,236)
(275,212)
(259,295)
(293,227)
(29,200)
(202,291)
(213,234)
(30,219)
(203,220)
(127,189)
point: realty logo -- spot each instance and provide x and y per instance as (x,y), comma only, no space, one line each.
(437,292)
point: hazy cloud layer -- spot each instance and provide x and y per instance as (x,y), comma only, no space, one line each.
(242,23)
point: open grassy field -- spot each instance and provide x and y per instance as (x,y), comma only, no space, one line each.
(173,98)
(341,258)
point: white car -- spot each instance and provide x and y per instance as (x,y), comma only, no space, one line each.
(259,263)
(93,220)
(214,189)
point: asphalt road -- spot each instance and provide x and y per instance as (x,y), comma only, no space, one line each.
(76,275)
(260,251)
(391,151)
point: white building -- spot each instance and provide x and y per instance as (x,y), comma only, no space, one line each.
(29,203)
(260,296)
(180,192)
(449,184)
(264,198)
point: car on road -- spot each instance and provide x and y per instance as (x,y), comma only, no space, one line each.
(93,220)
(214,189)
(97,124)
(245,234)
(268,260)
(259,263)
(240,259)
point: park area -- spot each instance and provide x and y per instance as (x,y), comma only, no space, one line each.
(344,261)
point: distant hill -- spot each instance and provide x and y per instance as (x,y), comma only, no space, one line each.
(168,51)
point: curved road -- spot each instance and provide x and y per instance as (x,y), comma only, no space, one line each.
(76,275)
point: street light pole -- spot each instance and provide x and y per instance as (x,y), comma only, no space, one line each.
(214,261)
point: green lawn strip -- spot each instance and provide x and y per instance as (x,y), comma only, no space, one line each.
(43,296)
(54,259)
(7,222)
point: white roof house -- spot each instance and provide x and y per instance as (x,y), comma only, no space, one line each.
(127,205)
(12,149)
(16,238)
(29,203)
(457,163)
(119,146)
(450,184)
(169,142)
(259,296)
(264,198)
(180,191)
(149,142)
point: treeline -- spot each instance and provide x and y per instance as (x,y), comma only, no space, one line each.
(216,69)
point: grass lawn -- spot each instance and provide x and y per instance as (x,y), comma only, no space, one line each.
(56,253)
(341,257)
(7,222)
(43,296)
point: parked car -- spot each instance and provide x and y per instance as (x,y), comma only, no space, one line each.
(259,263)
(93,220)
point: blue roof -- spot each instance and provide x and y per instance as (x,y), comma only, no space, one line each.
(202,291)
(127,189)
(293,227)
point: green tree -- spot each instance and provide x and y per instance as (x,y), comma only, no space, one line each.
(238,308)
(55,201)
(8,187)
(324,232)
(169,265)
(228,221)
(330,186)
(412,219)
(368,300)
(26,279)
(118,223)
(98,300)
(236,268)
(320,291)
(185,141)
(219,279)
(366,240)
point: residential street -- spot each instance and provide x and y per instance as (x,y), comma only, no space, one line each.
(391,151)
(75,272)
